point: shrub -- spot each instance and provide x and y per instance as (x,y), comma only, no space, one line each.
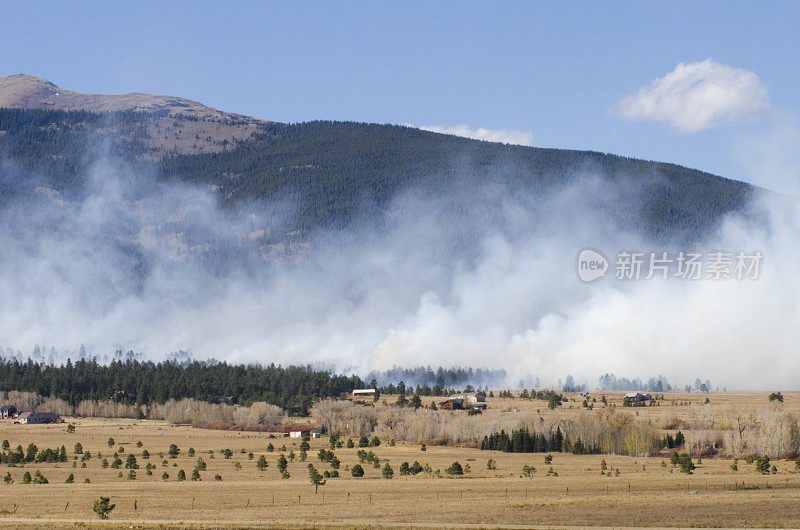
(261,463)
(102,507)
(190,452)
(26,478)
(200,465)
(762,465)
(174,451)
(164,476)
(78,449)
(8,479)
(683,461)
(387,471)
(357,471)
(375,442)
(130,462)
(110,442)
(195,474)
(350,443)
(131,475)
(145,454)
(528,470)
(218,477)
(181,475)
(455,469)
(363,441)
(270,447)
(139,443)
(776,396)
(38,478)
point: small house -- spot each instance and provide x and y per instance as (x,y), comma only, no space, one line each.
(637,397)
(298,432)
(451,404)
(39,417)
(8,411)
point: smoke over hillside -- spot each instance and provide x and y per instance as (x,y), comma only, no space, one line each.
(478,273)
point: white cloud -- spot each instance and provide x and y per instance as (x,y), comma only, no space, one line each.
(506,136)
(697,96)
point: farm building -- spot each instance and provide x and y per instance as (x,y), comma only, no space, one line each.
(472,398)
(297,432)
(637,397)
(451,404)
(8,411)
(364,393)
(39,417)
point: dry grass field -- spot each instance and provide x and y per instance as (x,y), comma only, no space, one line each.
(645,492)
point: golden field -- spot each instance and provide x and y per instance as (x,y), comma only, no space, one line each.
(644,493)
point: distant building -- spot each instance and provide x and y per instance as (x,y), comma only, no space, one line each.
(472,398)
(297,432)
(39,417)
(452,404)
(364,393)
(637,397)
(8,411)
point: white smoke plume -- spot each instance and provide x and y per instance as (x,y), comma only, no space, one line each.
(158,267)
(505,136)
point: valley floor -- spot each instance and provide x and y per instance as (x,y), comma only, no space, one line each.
(644,493)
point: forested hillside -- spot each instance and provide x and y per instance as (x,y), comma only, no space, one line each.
(335,171)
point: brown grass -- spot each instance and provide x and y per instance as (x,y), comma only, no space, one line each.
(643,494)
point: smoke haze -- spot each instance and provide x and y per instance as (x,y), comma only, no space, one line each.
(483,274)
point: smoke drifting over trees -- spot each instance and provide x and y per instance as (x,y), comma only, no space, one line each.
(478,272)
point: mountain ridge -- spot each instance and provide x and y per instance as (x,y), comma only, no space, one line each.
(330,170)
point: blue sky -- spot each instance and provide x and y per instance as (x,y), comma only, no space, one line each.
(554,72)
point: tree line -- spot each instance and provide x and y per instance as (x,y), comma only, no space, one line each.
(293,388)
(525,441)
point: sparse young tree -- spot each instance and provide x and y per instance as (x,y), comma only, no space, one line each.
(455,469)
(103,507)
(316,479)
